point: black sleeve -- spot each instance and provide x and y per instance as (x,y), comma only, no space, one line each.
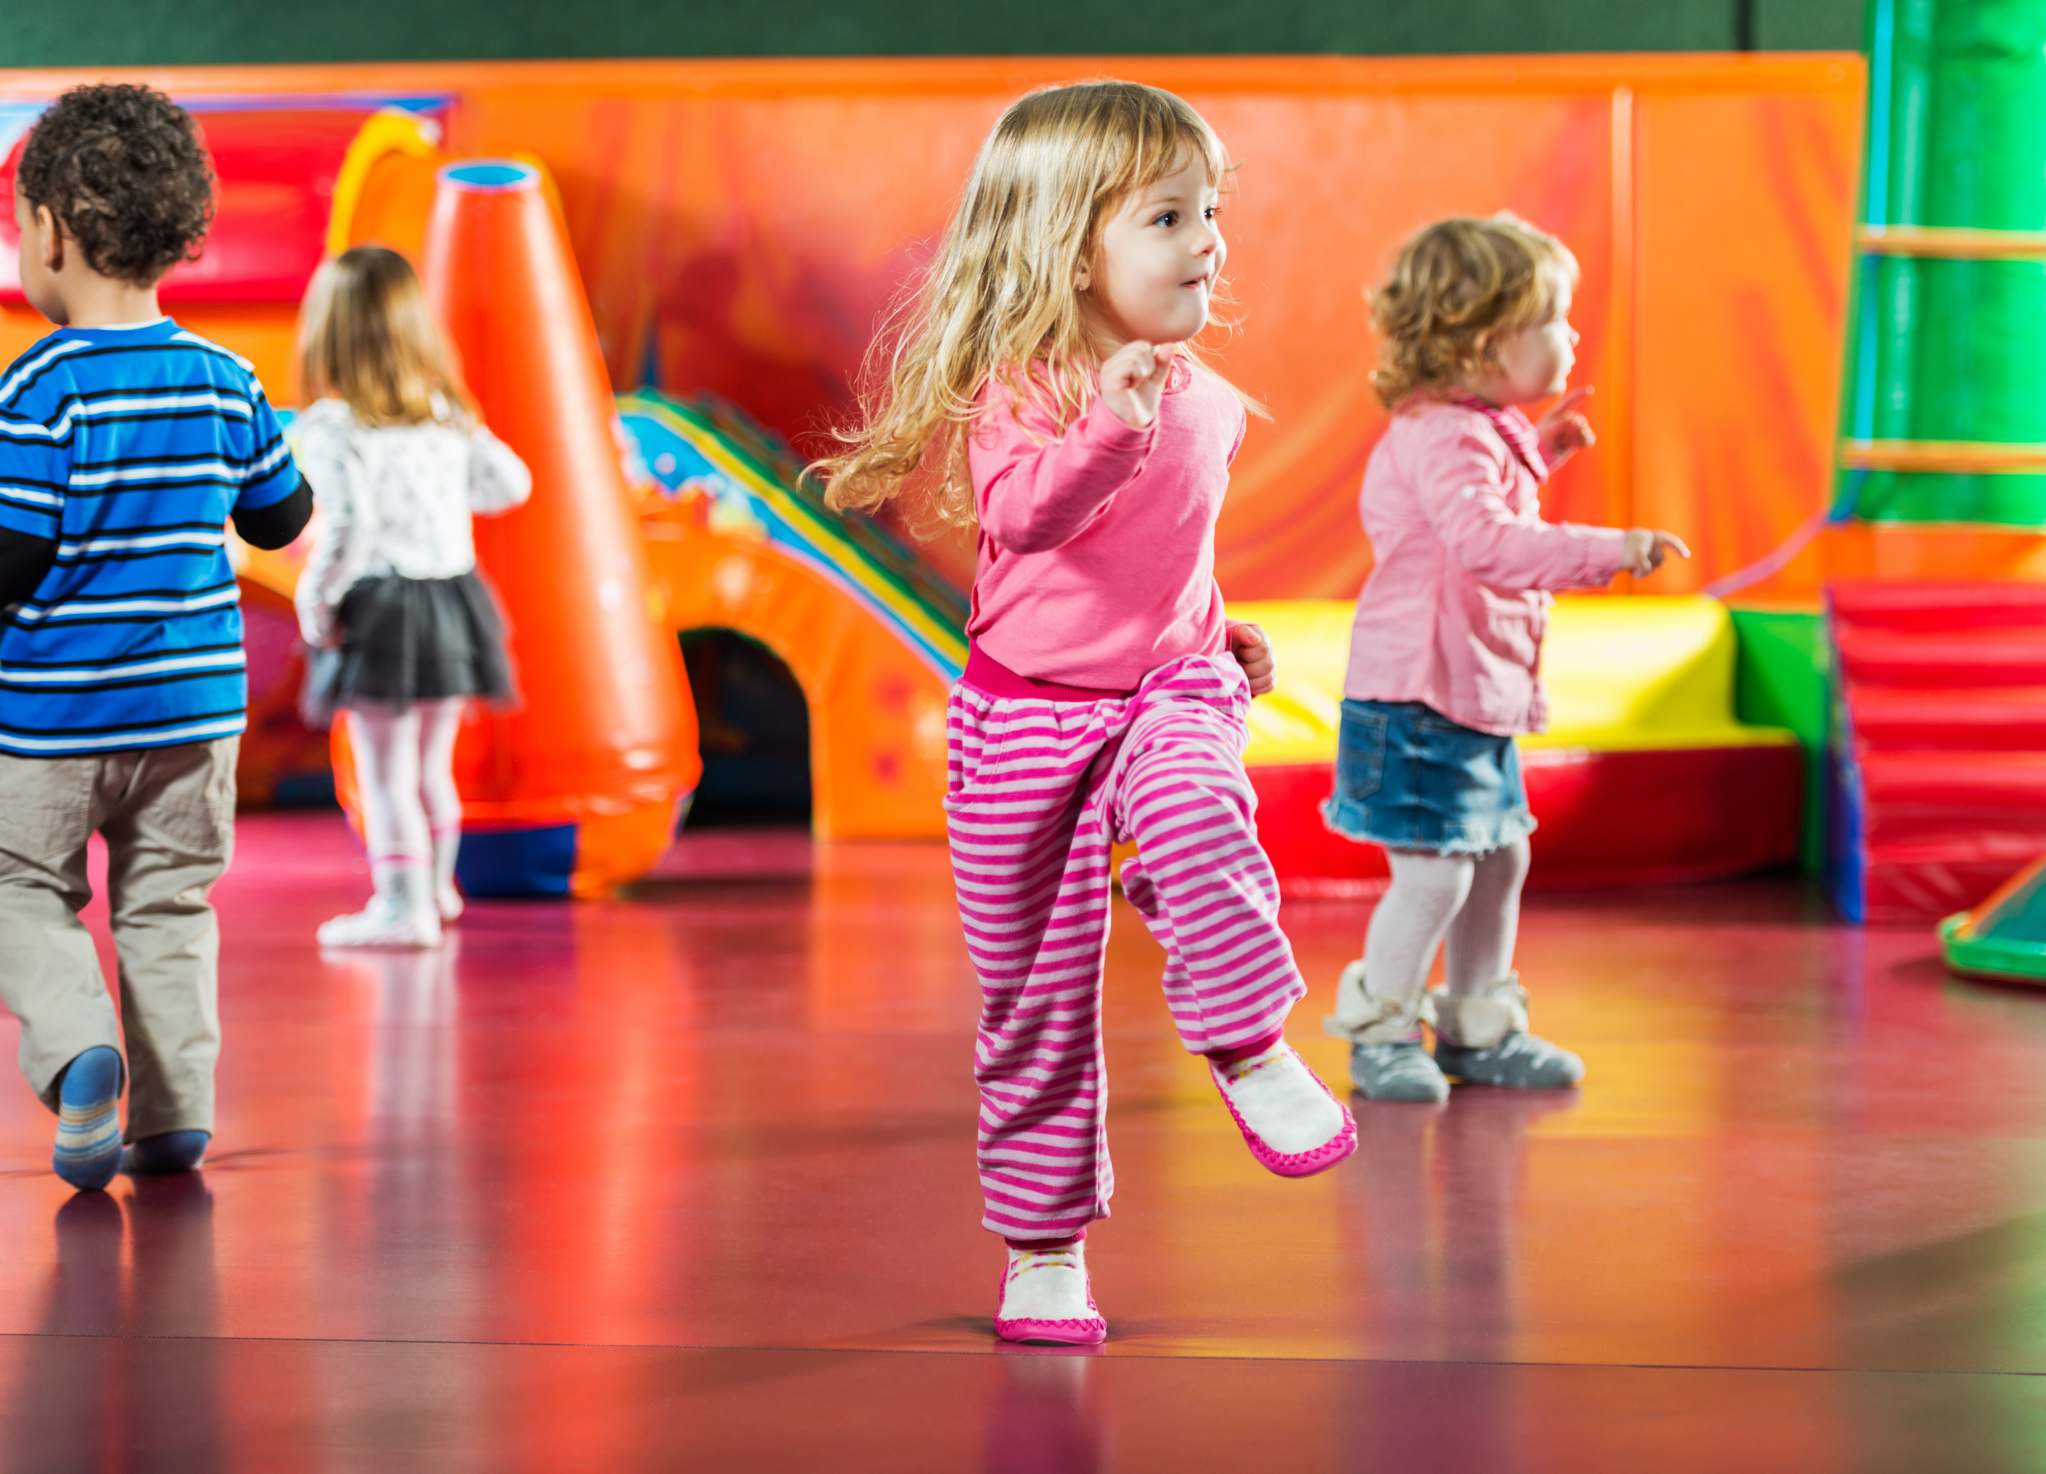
(23,562)
(276,525)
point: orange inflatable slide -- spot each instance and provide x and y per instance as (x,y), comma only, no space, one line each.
(727,537)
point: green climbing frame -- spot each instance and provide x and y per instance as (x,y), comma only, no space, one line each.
(1944,410)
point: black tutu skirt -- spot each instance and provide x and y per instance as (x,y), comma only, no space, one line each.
(413,639)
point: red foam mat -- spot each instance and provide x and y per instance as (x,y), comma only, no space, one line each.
(1943,691)
(1994,720)
(1905,885)
(1605,818)
(1939,606)
(1992,656)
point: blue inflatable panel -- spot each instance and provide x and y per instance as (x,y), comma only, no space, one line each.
(517,863)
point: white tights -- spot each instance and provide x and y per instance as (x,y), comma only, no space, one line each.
(1472,900)
(405,777)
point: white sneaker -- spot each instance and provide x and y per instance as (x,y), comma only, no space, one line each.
(383,924)
(448,901)
(1045,1297)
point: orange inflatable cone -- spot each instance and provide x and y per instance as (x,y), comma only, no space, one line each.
(579,789)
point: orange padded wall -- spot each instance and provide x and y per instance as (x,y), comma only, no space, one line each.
(741,224)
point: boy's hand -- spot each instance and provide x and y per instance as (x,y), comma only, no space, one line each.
(1564,431)
(1254,653)
(1646,547)
(1133,380)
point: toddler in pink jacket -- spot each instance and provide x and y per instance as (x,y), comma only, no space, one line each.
(1473,323)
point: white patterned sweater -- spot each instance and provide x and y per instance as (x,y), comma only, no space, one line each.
(394,499)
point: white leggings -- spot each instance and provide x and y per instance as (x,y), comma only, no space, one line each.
(1473,900)
(405,774)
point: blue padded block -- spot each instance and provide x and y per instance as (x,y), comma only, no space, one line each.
(517,862)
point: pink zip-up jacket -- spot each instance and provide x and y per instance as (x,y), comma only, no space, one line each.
(1453,613)
(1097,546)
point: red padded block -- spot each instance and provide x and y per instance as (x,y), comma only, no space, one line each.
(1944,687)
(275,172)
(1920,883)
(1605,818)
(1939,606)
(1941,830)
(1310,859)
(1942,661)
(1988,720)
(1924,796)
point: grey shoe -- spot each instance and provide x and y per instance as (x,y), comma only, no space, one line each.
(1387,1061)
(1401,1071)
(1518,1062)
(1482,1039)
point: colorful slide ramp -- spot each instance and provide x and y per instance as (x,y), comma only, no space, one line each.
(737,540)
(734,540)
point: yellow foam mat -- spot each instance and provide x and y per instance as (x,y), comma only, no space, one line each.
(1624,674)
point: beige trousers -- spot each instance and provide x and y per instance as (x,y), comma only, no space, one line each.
(167,814)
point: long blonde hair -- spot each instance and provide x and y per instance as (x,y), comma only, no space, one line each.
(367,336)
(1458,287)
(1001,296)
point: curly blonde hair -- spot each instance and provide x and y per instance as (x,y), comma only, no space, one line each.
(1000,297)
(1458,287)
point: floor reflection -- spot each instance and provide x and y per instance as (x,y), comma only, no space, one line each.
(685,1179)
(1432,1214)
(126,1373)
(1042,1419)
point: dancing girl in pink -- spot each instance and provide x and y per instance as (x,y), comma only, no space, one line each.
(1044,386)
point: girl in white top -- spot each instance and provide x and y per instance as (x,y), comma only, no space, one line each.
(398,464)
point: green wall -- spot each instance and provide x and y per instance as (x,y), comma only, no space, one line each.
(1948,350)
(180,32)
(1780,680)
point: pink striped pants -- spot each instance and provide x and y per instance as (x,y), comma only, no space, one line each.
(1039,790)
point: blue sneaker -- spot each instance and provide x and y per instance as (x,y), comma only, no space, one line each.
(169,1151)
(88,1150)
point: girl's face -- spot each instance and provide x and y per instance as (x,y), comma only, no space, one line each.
(1534,362)
(1161,254)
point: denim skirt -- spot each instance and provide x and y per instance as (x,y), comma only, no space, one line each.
(1409,778)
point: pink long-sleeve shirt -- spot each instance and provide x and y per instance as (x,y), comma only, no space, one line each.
(1097,546)
(1453,613)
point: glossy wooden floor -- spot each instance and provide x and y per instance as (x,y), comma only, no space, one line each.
(685,1181)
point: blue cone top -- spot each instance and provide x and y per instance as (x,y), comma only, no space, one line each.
(490,176)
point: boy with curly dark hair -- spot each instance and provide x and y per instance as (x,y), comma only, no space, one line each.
(126,443)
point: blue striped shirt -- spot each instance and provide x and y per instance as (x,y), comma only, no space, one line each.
(130,447)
